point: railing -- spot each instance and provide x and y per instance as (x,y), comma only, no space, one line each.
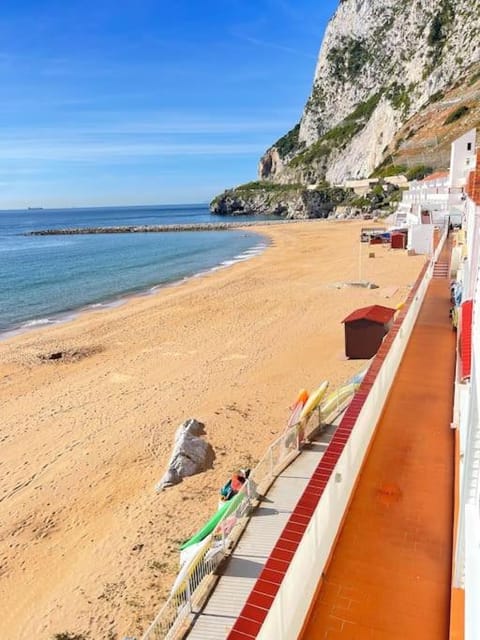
(196,577)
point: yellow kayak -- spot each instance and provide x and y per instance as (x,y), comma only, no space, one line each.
(314,400)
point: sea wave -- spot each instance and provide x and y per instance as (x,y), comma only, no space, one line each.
(241,257)
(39,322)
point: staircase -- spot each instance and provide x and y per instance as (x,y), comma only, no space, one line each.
(400,218)
(440,269)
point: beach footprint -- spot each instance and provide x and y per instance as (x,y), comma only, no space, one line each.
(119,378)
(234,356)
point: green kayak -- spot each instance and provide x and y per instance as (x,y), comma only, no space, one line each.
(224,511)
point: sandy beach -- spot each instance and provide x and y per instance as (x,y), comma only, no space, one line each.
(86,545)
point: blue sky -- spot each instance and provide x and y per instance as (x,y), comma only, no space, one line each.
(147,101)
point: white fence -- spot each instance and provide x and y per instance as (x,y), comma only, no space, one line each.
(196,578)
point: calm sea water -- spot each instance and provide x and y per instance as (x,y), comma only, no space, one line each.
(47,279)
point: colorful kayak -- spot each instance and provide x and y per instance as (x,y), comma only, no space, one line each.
(297,407)
(314,400)
(337,398)
(209,526)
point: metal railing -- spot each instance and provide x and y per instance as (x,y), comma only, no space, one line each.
(196,577)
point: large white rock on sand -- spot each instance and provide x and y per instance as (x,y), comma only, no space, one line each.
(191,454)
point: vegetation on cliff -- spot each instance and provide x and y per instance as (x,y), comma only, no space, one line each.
(338,137)
(288,143)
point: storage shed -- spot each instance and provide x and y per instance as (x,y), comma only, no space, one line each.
(398,240)
(365,329)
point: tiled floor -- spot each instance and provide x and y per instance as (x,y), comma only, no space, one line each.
(253,550)
(389,574)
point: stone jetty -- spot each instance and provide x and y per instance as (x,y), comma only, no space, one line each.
(160,228)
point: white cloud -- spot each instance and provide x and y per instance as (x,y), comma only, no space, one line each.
(150,124)
(114,152)
(273,45)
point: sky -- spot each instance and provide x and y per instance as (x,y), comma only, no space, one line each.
(130,102)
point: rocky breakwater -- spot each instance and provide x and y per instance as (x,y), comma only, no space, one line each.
(160,228)
(287,201)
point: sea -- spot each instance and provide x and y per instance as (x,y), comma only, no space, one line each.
(50,279)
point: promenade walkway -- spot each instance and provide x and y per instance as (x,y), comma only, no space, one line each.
(389,574)
(250,555)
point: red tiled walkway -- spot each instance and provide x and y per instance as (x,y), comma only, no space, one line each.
(389,574)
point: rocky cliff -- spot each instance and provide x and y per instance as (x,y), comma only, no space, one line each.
(381,63)
(287,201)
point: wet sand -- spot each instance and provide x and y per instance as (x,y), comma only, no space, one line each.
(86,545)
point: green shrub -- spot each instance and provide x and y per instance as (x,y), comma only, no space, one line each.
(314,152)
(387,169)
(360,202)
(339,136)
(289,142)
(264,185)
(399,96)
(418,172)
(474,78)
(317,98)
(457,114)
(395,196)
(364,110)
(439,29)
(435,97)
(348,59)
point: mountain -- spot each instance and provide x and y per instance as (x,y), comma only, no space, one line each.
(385,69)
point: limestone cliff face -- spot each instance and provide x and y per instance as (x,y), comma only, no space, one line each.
(380,62)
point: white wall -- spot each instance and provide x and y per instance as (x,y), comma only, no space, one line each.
(420,238)
(462,159)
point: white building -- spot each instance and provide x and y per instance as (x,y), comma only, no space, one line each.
(467,390)
(439,198)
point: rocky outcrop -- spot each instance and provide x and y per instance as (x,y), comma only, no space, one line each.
(271,163)
(380,62)
(289,203)
(191,454)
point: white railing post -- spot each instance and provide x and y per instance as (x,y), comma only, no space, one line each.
(224,543)
(189,595)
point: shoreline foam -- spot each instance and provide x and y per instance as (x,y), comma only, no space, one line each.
(123,298)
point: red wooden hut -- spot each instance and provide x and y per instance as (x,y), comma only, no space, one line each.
(398,240)
(365,329)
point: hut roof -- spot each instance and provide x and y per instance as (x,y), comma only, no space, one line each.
(374,313)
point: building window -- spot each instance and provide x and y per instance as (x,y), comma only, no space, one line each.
(469,146)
